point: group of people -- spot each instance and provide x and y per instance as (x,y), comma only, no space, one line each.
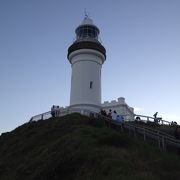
(112,115)
(55,111)
(173,123)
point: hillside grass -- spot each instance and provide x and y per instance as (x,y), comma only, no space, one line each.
(75,147)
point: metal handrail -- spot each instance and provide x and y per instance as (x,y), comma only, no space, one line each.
(60,112)
(152,119)
(155,130)
(164,138)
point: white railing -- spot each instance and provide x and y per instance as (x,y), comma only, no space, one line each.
(59,113)
(151,119)
(163,139)
(62,112)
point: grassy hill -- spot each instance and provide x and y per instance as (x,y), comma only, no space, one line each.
(75,147)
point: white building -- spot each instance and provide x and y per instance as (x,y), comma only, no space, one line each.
(121,107)
(87,56)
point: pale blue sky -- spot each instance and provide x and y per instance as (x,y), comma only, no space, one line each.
(142,39)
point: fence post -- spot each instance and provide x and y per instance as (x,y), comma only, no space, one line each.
(82,112)
(159,140)
(147,119)
(144,134)
(129,130)
(162,122)
(135,135)
(121,127)
(163,143)
(109,123)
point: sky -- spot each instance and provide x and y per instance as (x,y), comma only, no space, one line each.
(141,37)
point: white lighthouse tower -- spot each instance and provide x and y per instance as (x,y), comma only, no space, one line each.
(86,56)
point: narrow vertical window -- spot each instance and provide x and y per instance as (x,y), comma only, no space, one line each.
(91,85)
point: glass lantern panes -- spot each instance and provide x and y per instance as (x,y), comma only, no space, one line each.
(87,32)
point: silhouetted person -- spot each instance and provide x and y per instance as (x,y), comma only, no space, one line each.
(103,112)
(177,136)
(120,118)
(53,111)
(110,114)
(173,123)
(177,133)
(114,115)
(138,118)
(57,111)
(155,117)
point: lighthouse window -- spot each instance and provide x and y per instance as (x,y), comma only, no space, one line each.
(91,85)
(87,32)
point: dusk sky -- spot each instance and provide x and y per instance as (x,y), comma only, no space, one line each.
(141,37)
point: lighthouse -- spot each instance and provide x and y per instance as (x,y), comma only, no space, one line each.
(86,56)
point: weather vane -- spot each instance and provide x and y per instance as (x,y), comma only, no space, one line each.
(85,13)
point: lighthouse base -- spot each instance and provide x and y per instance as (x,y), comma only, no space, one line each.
(82,107)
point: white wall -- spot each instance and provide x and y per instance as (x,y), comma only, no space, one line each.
(120,107)
(86,68)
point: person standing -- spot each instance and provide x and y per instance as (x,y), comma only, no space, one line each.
(114,115)
(155,117)
(53,111)
(110,114)
(177,133)
(120,118)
